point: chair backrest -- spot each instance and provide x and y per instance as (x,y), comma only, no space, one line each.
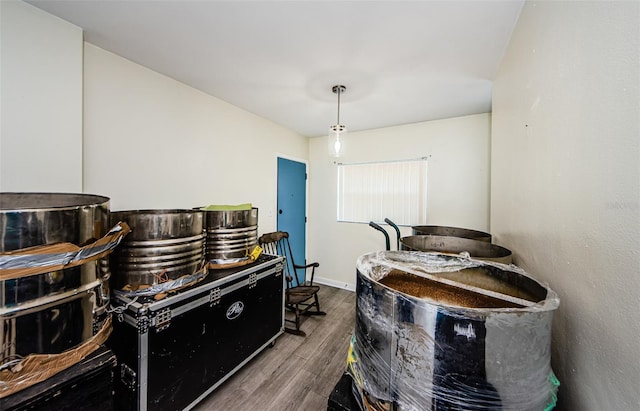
(277,243)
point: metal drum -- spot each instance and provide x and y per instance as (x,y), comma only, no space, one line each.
(53,311)
(451,231)
(163,245)
(441,332)
(481,250)
(231,234)
(51,325)
(30,219)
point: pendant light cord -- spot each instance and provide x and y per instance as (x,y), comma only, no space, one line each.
(338,89)
(339,92)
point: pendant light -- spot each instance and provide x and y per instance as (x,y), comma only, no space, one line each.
(337,131)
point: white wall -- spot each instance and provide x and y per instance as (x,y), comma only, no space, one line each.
(565,184)
(457,186)
(41,101)
(152,142)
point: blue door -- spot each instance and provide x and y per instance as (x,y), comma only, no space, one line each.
(292,205)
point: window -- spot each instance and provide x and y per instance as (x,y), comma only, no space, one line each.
(374,191)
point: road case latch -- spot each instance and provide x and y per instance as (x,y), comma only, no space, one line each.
(253,280)
(162,319)
(279,267)
(214,296)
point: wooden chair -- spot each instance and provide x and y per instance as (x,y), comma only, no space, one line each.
(301,296)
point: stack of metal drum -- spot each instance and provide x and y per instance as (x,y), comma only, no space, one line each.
(165,245)
(52,311)
(55,271)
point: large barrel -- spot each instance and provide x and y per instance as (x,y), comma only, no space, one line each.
(451,232)
(231,234)
(455,245)
(442,332)
(54,311)
(163,245)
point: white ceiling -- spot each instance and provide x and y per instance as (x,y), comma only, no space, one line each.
(401,61)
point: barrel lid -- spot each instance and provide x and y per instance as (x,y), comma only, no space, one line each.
(499,282)
(16,201)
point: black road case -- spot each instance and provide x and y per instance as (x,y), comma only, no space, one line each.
(174,352)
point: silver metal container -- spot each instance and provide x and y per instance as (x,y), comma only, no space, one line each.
(53,311)
(53,324)
(230,234)
(481,250)
(440,332)
(163,245)
(451,231)
(30,219)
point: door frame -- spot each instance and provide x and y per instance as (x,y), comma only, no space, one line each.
(306,194)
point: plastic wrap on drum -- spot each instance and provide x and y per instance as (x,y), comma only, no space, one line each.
(438,351)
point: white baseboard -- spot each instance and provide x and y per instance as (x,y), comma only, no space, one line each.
(334,283)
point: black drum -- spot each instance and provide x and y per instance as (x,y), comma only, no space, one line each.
(443,332)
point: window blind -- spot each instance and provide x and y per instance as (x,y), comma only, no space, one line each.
(374,191)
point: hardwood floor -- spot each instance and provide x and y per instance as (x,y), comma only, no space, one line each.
(298,373)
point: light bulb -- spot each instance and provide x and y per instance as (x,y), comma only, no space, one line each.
(336,144)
